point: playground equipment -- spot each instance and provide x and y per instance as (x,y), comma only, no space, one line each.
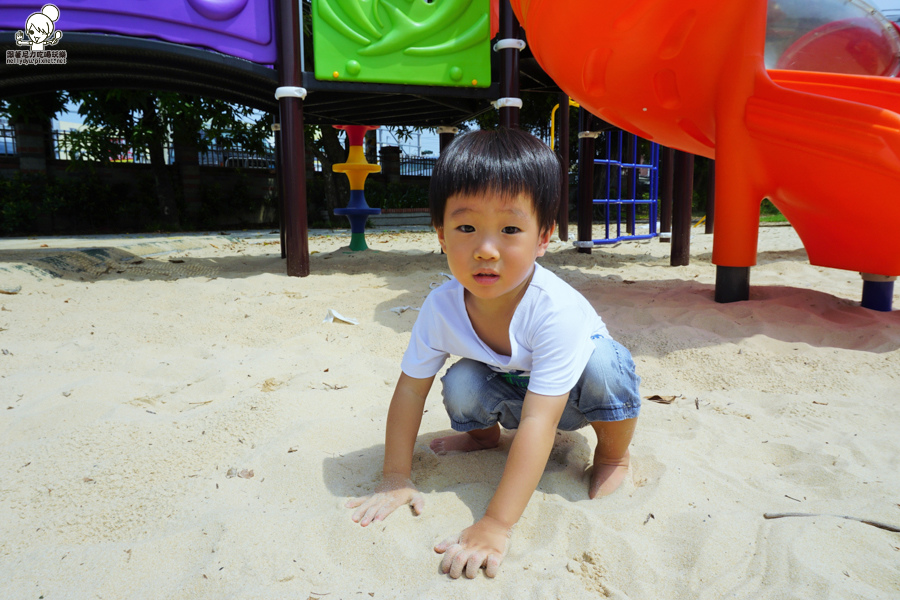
(252,52)
(240,28)
(690,74)
(836,37)
(357,168)
(429,43)
(629,171)
(555,108)
(214,48)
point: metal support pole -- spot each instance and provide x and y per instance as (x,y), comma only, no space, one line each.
(563,145)
(878,292)
(279,183)
(732,284)
(711,198)
(666,190)
(585,182)
(509,65)
(681,209)
(293,151)
(445,135)
(629,180)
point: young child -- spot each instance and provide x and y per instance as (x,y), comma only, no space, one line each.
(535,355)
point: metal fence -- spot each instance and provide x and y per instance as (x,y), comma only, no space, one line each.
(417,165)
(65,149)
(7,141)
(215,156)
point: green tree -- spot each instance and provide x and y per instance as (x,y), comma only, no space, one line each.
(324,143)
(35,108)
(118,120)
(35,111)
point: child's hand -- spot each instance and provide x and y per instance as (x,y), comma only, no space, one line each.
(393,492)
(484,544)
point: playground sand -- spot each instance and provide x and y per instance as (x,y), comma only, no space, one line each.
(177,421)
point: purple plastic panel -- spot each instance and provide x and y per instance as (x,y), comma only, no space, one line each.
(242,28)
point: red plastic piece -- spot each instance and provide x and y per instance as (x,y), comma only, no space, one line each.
(356,133)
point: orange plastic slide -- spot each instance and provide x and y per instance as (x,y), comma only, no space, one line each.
(689,74)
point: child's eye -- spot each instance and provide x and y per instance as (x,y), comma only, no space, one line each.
(511,229)
(466,228)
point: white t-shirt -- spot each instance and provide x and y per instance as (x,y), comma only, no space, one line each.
(550,335)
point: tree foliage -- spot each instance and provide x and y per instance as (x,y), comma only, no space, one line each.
(36,108)
(139,119)
(121,120)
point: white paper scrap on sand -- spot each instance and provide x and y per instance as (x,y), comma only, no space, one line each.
(333,314)
(402,309)
(435,284)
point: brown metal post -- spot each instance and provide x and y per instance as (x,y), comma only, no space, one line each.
(562,116)
(711,198)
(445,136)
(681,209)
(293,159)
(370,143)
(629,180)
(279,183)
(666,187)
(509,65)
(585,183)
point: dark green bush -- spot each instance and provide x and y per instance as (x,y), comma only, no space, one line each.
(396,195)
(81,203)
(24,198)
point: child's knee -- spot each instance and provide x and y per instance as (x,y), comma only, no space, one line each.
(608,390)
(462,388)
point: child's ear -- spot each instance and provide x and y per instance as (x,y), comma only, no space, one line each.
(440,234)
(544,240)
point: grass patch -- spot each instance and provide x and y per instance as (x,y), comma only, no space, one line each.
(779,218)
(769,214)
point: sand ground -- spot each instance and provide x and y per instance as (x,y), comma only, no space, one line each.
(177,421)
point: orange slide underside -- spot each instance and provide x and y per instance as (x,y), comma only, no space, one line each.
(689,74)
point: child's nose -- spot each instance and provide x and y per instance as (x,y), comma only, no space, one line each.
(487,249)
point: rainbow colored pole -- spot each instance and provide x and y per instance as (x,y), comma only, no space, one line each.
(357,169)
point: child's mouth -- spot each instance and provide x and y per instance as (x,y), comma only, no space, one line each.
(486,278)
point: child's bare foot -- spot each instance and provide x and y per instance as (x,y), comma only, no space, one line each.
(607,475)
(478,439)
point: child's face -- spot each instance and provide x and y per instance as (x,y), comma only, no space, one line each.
(491,243)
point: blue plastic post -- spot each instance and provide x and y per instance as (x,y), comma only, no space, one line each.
(357,211)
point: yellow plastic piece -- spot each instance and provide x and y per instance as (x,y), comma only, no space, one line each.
(356,168)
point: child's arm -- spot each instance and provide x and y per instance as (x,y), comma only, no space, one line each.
(396,489)
(486,542)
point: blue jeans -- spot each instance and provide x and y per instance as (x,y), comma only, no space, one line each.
(477,397)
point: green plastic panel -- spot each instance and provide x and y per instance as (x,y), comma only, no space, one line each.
(413,42)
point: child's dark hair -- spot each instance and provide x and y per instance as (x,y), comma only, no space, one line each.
(504,161)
